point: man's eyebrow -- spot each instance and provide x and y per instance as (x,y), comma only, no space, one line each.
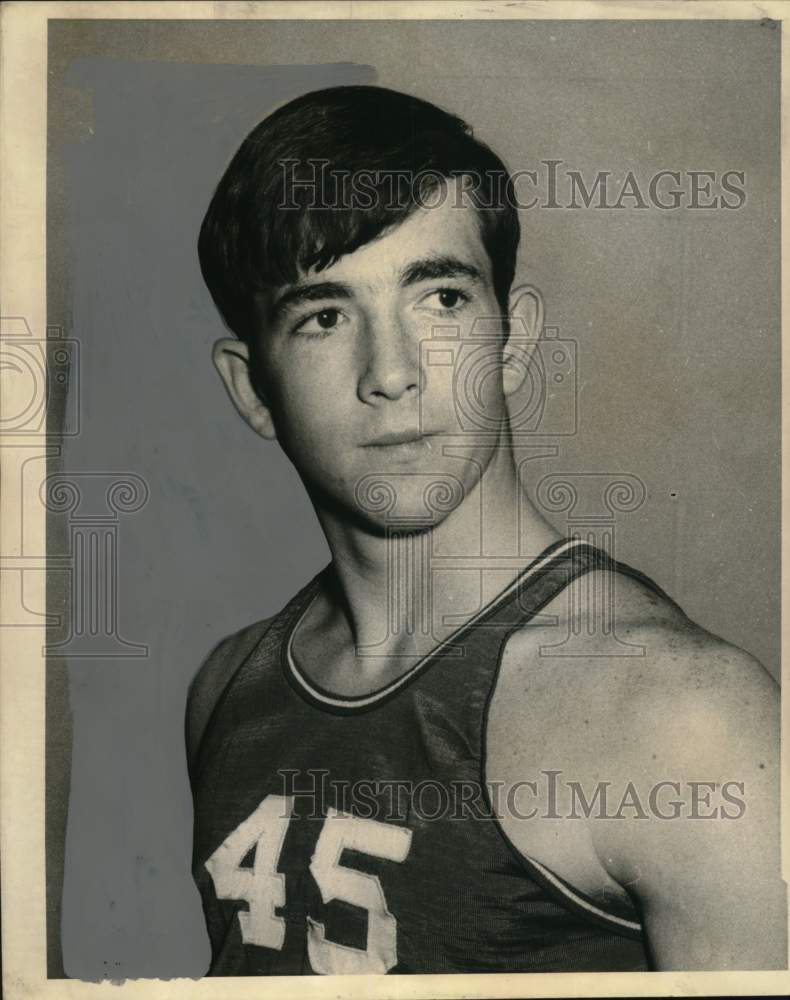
(315,292)
(431,268)
(424,269)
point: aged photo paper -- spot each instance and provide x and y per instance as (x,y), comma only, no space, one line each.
(391,535)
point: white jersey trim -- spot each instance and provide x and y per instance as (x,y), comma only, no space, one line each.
(338,702)
(581,901)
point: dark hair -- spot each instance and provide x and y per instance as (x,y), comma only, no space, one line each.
(283,203)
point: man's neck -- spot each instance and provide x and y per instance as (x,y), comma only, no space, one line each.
(399,594)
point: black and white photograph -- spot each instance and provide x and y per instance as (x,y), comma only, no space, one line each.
(392,528)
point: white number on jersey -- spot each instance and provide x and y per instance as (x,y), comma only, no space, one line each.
(382,840)
(262,887)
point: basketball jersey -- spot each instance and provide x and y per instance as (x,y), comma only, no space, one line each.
(343,835)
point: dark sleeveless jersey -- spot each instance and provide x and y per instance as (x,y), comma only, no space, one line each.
(343,835)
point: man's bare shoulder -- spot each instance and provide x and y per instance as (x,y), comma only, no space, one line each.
(614,619)
(672,663)
(625,674)
(655,719)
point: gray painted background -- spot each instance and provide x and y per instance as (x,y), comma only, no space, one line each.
(676,315)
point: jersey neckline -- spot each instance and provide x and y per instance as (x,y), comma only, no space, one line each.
(344,704)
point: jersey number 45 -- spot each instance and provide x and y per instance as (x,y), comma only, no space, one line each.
(262,887)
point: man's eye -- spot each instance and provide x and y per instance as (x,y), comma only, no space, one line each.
(447,298)
(321,322)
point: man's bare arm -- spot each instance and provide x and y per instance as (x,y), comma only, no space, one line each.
(708,882)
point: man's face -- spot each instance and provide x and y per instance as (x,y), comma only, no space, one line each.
(362,363)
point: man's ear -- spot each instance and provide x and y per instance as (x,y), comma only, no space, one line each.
(231,358)
(525,308)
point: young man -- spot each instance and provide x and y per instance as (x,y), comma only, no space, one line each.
(406,770)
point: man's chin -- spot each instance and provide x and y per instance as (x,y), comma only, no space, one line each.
(407,500)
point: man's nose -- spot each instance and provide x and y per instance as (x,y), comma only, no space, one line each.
(391,366)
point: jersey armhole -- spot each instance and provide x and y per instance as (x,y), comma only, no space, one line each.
(573,899)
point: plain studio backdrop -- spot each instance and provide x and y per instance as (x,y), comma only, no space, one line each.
(674,316)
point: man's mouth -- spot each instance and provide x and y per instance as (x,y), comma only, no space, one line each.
(398,438)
